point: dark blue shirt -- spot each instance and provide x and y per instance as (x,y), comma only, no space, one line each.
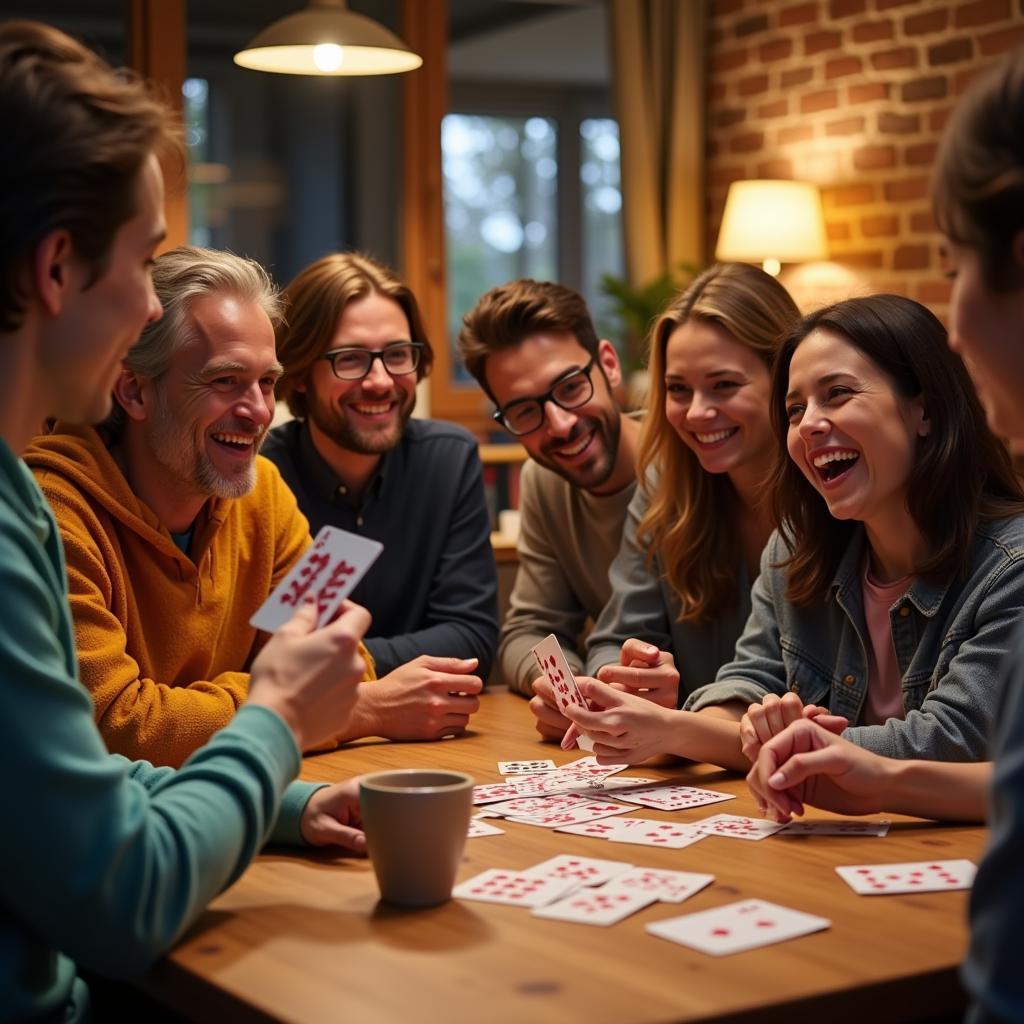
(434,588)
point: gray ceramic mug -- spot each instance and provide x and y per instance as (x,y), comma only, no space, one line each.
(416,822)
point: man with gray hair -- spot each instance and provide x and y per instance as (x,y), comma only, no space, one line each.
(175,532)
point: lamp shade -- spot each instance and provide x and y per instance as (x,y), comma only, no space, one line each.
(327,39)
(772,221)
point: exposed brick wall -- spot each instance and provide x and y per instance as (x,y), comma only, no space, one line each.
(852,95)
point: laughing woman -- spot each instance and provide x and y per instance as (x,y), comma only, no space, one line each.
(891,591)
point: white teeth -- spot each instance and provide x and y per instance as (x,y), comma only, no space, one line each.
(576,449)
(372,410)
(235,438)
(821,461)
(718,435)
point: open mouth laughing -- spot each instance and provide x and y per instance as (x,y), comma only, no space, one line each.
(239,444)
(710,438)
(575,447)
(834,464)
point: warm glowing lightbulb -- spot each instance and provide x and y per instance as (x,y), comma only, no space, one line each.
(771,266)
(328,56)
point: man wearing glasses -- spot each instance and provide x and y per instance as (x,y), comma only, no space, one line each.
(353,348)
(532,347)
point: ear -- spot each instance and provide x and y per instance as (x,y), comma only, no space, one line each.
(52,270)
(609,360)
(133,394)
(924,423)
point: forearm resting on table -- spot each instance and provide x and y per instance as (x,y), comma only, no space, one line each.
(936,789)
(712,735)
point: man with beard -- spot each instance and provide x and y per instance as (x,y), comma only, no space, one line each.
(174,531)
(532,347)
(353,349)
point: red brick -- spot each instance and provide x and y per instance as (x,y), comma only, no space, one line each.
(748,142)
(851,195)
(871,158)
(752,25)
(727,7)
(798,76)
(922,221)
(929,21)
(775,49)
(814,101)
(716,92)
(864,260)
(981,12)
(778,168)
(922,153)
(795,133)
(911,257)
(882,225)
(884,5)
(846,8)
(868,93)
(904,189)
(898,124)
(939,118)
(777,108)
(800,14)
(1002,41)
(950,52)
(934,88)
(934,292)
(727,118)
(726,175)
(847,126)
(818,42)
(716,35)
(837,232)
(842,66)
(752,85)
(730,60)
(886,60)
(872,31)
(712,148)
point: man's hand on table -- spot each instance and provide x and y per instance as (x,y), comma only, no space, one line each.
(332,818)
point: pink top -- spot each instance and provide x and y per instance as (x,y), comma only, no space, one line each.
(885,693)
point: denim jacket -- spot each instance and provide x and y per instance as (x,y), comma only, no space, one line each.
(949,639)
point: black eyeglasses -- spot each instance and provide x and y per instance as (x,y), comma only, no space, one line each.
(355,363)
(525,415)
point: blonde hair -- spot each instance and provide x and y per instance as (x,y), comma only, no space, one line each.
(689,509)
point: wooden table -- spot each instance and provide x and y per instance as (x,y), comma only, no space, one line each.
(303,938)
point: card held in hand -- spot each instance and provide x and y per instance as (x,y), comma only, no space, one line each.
(554,667)
(328,571)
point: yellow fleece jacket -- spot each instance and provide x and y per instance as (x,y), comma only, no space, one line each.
(163,638)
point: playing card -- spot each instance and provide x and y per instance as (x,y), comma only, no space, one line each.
(672,798)
(627,782)
(530,806)
(492,792)
(665,886)
(331,566)
(657,833)
(913,876)
(525,767)
(600,829)
(732,826)
(513,887)
(586,811)
(555,668)
(479,828)
(836,827)
(595,906)
(737,927)
(486,814)
(585,870)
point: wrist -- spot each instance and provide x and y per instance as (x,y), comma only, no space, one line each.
(364,719)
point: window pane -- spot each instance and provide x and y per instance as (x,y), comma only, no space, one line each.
(500,196)
(602,246)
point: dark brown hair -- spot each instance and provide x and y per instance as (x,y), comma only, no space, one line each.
(961,473)
(75,135)
(978,183)
(507,315)
(314,303)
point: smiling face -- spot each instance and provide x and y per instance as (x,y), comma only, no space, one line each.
(581,444)
(850,433)
(367,416)
(214,404)
(717,399)
(987,328)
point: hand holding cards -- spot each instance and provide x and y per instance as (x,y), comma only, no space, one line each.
(552,663)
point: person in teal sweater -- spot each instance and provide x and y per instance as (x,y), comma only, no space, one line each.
(108,861)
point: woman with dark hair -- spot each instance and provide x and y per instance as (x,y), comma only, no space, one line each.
(890,592)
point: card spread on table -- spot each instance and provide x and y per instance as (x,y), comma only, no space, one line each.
(665,886)
(836,827)
(515,888)
(328,570)
(530,806)
(479,828)
(737,927)
(552,663)
(601,829)
(913,876)
(525,767)
(595,906)
(585,870)
(673,798)
(586,811)
(647,832)
(733,826)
